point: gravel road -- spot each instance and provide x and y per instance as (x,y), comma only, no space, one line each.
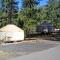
(21,49)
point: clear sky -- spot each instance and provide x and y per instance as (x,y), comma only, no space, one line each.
(42,2)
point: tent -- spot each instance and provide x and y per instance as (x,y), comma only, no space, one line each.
(45,27)
(11,33)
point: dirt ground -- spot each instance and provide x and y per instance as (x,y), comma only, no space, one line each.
(28,46)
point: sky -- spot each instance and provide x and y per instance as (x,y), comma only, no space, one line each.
(42,3)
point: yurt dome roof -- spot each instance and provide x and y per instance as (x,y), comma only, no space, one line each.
(11,28)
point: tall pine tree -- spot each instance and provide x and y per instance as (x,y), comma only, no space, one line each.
(30,3)
(52,11)
(28,12)
(11,10)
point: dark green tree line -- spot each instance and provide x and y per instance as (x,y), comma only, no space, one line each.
(30,15)
(9,10)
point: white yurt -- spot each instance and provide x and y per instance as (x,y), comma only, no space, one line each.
(11,33)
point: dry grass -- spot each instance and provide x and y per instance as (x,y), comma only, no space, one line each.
(4,54)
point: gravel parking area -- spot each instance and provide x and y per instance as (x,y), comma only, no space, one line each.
(26,47)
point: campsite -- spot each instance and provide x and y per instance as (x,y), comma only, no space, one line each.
(29,29)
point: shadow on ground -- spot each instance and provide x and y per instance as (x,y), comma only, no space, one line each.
(52,37)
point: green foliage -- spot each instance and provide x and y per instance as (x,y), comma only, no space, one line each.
(30,15)
(52,11)
(30,3)
(28,21)
(9,12)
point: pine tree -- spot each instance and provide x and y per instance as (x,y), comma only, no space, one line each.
(52,11)
(30,3)
(28,12)
(11,10)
